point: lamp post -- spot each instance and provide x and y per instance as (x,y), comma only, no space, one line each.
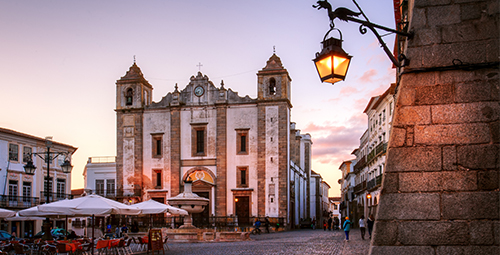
(48,156)
(332,62)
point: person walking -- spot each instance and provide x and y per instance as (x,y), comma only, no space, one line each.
(347,228)
(324,225)
(370,222)
(330,220)
(267,224)
(362,226)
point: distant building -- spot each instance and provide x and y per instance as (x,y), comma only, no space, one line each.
(347,189)
(335,207)
(22,191)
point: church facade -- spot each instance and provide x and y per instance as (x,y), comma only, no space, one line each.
(243,154)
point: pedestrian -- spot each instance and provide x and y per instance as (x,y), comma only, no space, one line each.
(124,228)
(118,232)
(330,220)
(313,224)
(335,223)
(370,222)
(324,225)
(362,226)
(347,228)
(267,224)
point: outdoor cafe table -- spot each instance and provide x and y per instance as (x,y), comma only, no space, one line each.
(110,244)
(72,245)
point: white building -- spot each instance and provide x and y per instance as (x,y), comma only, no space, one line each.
(243,154)
(372,150)
(22,191)
(99,176)
(334,207)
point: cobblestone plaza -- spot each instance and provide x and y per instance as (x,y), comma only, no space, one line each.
(291,242)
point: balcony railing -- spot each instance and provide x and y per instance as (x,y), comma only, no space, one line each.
(378,151)
(54,196)
(115,193)
(360,187)
(18,202)
(360,165)
(96,160)
(374,183)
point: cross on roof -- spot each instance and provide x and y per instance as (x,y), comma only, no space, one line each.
(199,65)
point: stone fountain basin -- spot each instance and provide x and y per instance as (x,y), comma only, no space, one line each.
(190,205)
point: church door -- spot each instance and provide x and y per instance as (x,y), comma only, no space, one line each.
(243,211)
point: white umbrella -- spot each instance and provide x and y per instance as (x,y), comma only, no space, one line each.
(4,213)
(90,205)
(153,207)
(23,218)
(87,206)
(34,212)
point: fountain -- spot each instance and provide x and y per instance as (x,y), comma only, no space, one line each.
(190,202)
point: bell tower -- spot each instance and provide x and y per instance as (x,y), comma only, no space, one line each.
(133,94)
(133,90)
(274,81)
(273,129)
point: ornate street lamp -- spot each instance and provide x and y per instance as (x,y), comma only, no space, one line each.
(48,156)
(332,62)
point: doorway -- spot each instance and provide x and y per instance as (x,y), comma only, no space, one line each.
(243,210)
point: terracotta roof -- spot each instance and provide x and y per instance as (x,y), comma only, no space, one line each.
(378,99)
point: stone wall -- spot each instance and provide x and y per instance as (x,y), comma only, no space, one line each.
(440,191)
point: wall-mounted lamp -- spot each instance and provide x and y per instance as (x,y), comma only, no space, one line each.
(236,200)
(368,196)
(332,63)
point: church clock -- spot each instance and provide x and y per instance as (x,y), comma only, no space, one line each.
(198,91)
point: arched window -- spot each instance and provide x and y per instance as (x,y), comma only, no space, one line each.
(272,86)
(128,96)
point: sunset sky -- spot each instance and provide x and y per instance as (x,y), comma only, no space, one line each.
(60,59)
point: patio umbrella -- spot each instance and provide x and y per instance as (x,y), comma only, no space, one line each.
(34,212)
(91,205)
(4,213)
(18,217)
(154,207)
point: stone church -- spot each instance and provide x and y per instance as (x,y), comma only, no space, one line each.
(243,154)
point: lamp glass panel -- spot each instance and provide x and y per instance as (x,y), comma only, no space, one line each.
(324,66)
(340,65)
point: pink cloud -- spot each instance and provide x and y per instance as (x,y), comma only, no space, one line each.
(368,76)
(348,90)
(336,142)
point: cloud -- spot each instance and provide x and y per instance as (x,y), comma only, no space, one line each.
(348,90)
(334,143)
(368,76)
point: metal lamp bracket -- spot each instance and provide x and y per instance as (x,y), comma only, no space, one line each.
(346,15)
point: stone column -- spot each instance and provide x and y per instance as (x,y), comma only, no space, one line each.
(440,191)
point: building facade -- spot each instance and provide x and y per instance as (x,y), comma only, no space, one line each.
(21,190)
(243,154)
(371,154)
(347,189)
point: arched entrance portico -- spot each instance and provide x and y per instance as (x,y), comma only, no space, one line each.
(203,185)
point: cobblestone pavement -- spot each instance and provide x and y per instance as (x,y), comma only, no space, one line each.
(290,242)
